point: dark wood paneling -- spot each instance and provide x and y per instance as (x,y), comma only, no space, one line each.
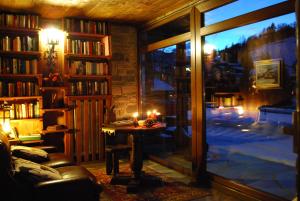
(86,132)
(79,132)
(100,137)
(259,15)
(93,128)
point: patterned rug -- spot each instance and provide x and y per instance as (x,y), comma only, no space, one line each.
(170,190)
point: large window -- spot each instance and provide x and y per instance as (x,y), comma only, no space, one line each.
(250,82)
(166,88)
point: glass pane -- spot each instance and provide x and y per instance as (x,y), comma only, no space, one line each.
(250,80)
(166,88)
(173,28)
(236,8)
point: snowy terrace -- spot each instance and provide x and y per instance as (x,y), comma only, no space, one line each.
(260,135)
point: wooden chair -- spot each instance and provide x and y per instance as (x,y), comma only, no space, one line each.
(113,149)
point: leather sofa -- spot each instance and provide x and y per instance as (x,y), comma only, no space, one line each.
(53,160)
(76,183)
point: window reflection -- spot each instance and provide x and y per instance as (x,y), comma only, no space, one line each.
(247,121)
(166,87)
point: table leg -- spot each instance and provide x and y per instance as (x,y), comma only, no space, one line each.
(136,157)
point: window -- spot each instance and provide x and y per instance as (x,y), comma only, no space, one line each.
(166,88)
(176,27)
(235,9)
(250,80)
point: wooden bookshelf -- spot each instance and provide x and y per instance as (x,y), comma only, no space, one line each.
(55,131)
(88,77)
(86,35)
(87,72)
(29,119)
(17,98)
(20,53)
(87,57)
(18,31)
(20,76)
(56,109)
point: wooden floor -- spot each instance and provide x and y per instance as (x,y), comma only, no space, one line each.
(215,194)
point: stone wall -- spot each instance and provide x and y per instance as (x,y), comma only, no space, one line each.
(124,70)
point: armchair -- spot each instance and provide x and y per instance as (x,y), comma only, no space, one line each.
(77,183)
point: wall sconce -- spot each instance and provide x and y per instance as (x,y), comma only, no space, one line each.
(51,54)
(52,41)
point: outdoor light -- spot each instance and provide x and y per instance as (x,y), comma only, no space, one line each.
(240,110)
(208,49)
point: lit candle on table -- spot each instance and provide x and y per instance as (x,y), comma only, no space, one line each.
(154,114)
(135,120)
(148,114)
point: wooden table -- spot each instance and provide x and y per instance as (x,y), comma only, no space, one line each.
(136,158)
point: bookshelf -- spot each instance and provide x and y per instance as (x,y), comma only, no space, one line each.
(87,74)
(20,76)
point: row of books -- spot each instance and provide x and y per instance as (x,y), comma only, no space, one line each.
(88,68)
(19,43)
(12,89)
(85,26)
(25,110)
(19,21)
(18,66)
(81,88)
(85,47)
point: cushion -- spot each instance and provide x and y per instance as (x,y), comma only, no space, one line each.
(30,153)
(33,171)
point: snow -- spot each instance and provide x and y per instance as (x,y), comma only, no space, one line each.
(160,85)
(230,133)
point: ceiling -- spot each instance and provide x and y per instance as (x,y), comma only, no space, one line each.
(130,11)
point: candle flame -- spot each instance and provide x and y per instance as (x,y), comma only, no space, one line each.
(135,115)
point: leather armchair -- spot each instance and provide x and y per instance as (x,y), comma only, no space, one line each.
(54,160)
(77,183)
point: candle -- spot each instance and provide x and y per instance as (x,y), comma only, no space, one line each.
(148,114)
(135,120)
(154,113)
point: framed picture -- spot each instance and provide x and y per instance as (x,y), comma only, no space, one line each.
(268,74)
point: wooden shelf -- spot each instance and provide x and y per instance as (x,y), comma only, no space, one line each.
(85,35)
(88,77)
(37,118)
(18,30)
(55,109)
(21,53)
(56,131)
(89,97)
(19,98)
(53,88)
(87,57)
(31,141)
(20,76)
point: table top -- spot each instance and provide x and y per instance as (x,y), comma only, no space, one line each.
(133,129)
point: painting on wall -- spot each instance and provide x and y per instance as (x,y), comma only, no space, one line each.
(268,74)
